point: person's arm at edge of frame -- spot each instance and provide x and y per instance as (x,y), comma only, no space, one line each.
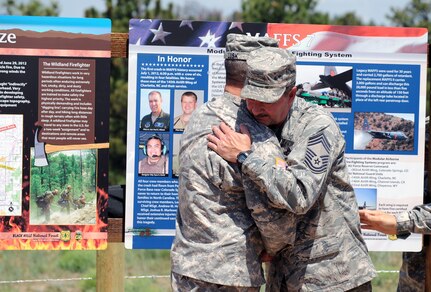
(417,220)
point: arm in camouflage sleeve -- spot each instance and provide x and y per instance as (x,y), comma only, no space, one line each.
(417,220)
(296,186)
(277,226)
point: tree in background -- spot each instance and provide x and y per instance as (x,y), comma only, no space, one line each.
(33,8)
(293,11)
(348,18)
(284,11)
(417,13)
(121,11)
(194,10)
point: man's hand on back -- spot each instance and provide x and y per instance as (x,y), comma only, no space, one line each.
(227,143)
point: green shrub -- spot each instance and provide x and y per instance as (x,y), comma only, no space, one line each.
(76,261)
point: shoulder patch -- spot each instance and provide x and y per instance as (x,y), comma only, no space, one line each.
(317,153)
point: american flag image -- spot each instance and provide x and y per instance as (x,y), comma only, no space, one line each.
(188,33)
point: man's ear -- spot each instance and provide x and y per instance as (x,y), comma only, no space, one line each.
(292,93)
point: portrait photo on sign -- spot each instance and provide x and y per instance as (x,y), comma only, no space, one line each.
(186,101)
(63,192)
(384,131)
(154,110)
(327,86)
(153,154)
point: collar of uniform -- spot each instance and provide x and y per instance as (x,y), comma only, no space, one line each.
(162,114)
(289,123)
(235,99)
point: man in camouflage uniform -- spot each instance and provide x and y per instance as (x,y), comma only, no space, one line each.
(417,220)
(307,177)
(217,244)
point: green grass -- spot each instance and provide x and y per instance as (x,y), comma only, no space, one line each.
(386,261)
(140,266)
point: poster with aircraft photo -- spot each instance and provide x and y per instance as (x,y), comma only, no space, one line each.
(372,80)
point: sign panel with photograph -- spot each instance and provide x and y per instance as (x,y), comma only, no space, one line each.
(372,80)
(54,128)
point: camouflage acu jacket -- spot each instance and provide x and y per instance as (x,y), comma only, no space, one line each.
(418,220)
(216,239)
(309,179)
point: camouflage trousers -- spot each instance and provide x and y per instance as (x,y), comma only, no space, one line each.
(412,272)
(180,283)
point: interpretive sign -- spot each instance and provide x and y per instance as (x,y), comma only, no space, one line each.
(372,79)
(54,129)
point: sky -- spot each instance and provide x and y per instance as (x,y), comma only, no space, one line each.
(366,9)
(368,196)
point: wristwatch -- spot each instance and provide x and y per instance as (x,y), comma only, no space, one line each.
(403,222)
(241,157)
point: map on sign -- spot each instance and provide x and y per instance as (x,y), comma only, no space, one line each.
(11,137)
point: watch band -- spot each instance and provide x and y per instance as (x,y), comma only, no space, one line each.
(241,157)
